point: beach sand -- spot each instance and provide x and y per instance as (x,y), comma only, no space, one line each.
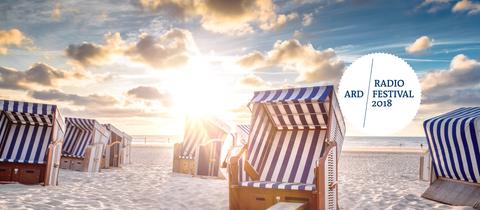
(380,180)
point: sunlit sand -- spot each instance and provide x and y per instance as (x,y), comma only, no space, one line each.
(367,181)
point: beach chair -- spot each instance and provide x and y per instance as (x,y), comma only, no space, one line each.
(113,152)
(200,151)
(85,141)
(240,139)
(295,140)
(31,137)
(126,149)
(241,135)
(454,142)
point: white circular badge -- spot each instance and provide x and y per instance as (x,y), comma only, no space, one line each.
(379,94)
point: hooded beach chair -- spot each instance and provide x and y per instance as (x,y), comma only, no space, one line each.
(200,151)
(454,142)
(85,140)
(240,139)
(241,135)
(294,143)
(31,137)
(113,154)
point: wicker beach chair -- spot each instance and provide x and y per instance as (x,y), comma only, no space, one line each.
(242,132)
(454,142)
(240,139)
(31,137)
(85,141)
(200,151)
(291,156)
(117,146)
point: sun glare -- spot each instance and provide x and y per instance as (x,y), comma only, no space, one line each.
(198,90)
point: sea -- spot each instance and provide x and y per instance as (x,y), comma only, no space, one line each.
(350,142)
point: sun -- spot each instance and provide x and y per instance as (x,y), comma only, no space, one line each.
(200,91)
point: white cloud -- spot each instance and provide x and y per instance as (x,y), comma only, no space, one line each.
(169,50)
(227,17)
(12,37)
(420,45)
(312,65)
(457,85)
(307,19)
(253,81)
(470,7)
(39,74)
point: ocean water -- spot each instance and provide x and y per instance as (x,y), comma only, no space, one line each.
(384,141)
(350,141)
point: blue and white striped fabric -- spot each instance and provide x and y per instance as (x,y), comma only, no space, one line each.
(27,107)
(298,108)
(242,133)
(454,141)
(78,136)
(260,131)
(304,94)
(289,129)
(292,156)
(279,185)
(194,136)
(200,131)
(26,131)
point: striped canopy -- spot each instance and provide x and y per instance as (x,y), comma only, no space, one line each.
(454,141)
(302,108)
(26,130)
(304,94)
(287,134)
(78,136)
(200,131)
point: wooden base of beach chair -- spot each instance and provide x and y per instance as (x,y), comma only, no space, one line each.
(288,206)
(454,192)
(180,165)
(22,173)
(246,198)
(324,197)
(76,164)
(185,166)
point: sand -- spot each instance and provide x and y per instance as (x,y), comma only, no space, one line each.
(367,181)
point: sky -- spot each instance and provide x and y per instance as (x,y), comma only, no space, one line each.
(142,64)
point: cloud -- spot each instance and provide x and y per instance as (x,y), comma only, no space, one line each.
(87,54)
(56,12)
(254,60)
(169,50)
(253,81)
(12,37)
(297,34)
(312,65)
(115,112)
(279,22)
(38,74)
(472,8)
(458,84)
(150,93)
(89,100)
(94,105)
(420,45)
(434,6)
(307,19)
(226,17)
